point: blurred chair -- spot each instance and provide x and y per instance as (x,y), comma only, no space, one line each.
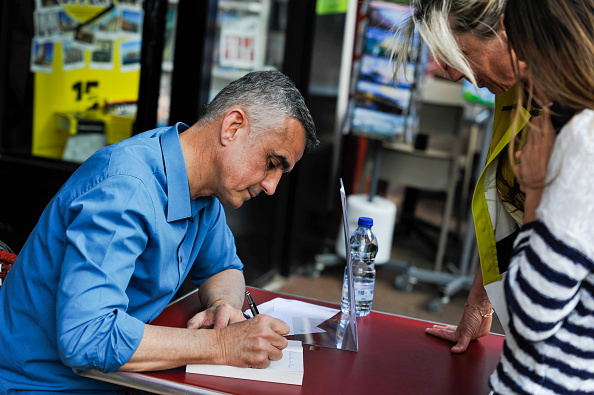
(7,258)
(433,163)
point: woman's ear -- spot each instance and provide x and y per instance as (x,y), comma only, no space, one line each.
(502,32)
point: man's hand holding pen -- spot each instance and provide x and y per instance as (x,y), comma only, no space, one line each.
(240,342)
(254,342)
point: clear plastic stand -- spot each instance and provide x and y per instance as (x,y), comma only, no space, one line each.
(340,331)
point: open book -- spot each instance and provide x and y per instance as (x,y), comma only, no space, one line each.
(289,370)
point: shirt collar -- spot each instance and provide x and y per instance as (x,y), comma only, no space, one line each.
(178,189)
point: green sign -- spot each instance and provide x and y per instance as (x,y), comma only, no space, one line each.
(331,7)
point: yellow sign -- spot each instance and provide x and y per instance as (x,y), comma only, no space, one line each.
(81,80)
(84,10)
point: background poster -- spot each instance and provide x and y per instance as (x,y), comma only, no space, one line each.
(381,103)
(86,59)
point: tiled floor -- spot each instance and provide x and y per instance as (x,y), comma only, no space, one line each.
(408,248)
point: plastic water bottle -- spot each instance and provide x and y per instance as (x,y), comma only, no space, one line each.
(363,252)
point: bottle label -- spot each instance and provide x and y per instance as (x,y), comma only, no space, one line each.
(363,291)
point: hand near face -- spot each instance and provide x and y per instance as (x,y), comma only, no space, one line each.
(533,160)
(534,157)
(254,342)
(216,317)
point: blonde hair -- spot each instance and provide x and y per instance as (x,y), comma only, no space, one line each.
(437,21)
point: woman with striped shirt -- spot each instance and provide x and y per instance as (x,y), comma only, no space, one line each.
(550,283)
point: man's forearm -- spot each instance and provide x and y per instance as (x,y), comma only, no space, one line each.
(227,286)
(166,348)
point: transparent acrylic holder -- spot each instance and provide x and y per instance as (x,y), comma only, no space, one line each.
(340,331)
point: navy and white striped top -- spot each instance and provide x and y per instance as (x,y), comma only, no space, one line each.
(550,283)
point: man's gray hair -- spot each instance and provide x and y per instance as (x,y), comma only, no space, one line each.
(267,97)
(438,20)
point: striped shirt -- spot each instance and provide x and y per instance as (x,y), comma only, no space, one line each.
(550,283)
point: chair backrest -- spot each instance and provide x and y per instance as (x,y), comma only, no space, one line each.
(6,261)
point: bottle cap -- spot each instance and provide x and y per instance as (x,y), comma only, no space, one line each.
(365,221)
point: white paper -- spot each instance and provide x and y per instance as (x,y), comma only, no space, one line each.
(289,370)
(496,294)
(286,309)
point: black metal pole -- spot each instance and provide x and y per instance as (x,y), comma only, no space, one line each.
(192,60)
(153,40)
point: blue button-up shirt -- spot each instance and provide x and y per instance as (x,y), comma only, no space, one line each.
(107,255)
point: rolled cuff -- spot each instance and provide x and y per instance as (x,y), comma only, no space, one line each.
(117,348)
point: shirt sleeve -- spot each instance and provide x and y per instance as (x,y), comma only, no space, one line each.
(543,282)
(107,229)
(218,252)
(554,254)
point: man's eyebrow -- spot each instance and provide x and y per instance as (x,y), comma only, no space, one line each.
(284,162)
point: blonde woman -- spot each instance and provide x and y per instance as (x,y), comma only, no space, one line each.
(469,39)
(550,285)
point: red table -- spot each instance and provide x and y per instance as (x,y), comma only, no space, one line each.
(395,357)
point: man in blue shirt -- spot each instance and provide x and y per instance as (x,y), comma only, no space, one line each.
(115,244)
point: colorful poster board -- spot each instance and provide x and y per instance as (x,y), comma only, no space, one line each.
(381,102)
(86,59)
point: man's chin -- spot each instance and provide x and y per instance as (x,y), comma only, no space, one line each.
(232,204)
(236,205)
(236,202)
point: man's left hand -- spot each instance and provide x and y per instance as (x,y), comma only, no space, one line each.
(216,317)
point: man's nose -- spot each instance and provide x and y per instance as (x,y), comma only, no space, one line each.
(271,181)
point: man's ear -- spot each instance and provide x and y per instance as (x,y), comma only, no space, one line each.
(234,122)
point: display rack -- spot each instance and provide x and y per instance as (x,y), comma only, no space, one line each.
(373,105)
(456,278)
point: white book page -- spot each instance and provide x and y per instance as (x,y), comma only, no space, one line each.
(289,370)
(287,309)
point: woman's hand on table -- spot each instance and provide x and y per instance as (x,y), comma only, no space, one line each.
(475,322)
(471,327)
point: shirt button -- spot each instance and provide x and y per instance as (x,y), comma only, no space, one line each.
(181,258)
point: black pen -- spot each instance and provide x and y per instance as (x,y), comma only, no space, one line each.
(251,303)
